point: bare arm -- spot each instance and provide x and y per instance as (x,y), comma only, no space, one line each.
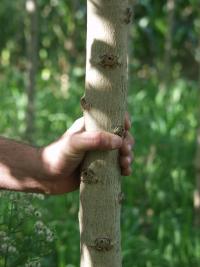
(55,169)
(21,167)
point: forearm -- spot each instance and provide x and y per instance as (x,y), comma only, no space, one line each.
(21,167)
(55,169)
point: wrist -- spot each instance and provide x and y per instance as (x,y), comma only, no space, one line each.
(50,157)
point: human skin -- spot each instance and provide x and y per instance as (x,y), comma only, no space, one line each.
(55,169)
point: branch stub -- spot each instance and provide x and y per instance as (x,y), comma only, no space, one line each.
(103,244)
(109,61)
(88,176)
(128,15)
(119,130)
(84,104)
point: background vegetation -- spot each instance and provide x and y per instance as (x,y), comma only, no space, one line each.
(160,223)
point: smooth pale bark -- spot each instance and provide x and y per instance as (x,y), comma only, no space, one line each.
(104,106)
(32,64)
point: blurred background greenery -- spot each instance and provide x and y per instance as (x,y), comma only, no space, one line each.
(160,215)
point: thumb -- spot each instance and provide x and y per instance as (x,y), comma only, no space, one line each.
(77,126)
(80,142)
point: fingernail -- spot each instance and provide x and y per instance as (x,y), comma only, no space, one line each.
(116,142)
(129,160)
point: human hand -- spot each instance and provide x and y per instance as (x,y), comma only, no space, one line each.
(62,159)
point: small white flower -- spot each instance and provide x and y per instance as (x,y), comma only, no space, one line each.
(38,214)
(48,231)
(40,232)
(39,224)
(39,227)
(29,209)
(39,196)
(50,238)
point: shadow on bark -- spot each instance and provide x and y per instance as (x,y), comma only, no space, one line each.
(105,62)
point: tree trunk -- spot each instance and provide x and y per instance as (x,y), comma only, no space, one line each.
(32,54)
(197,160)
(169,43)
(104,105)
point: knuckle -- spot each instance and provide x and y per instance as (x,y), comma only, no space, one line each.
(97,139)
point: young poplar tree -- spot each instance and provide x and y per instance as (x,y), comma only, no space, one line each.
(104,105)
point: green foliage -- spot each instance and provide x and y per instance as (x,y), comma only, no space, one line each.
(23,228)
(157,215)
